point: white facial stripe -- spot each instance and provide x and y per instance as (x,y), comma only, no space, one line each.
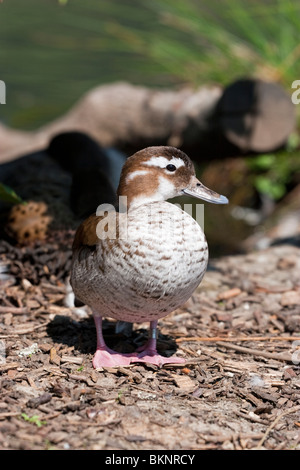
(132,175)
(165,190)
(162,162)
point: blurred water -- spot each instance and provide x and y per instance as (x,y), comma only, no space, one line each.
(51,54)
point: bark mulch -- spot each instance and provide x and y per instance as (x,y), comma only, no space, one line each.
(239,333)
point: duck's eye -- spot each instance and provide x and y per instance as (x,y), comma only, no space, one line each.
(171,167)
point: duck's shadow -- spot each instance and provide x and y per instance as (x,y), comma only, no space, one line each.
(81,335)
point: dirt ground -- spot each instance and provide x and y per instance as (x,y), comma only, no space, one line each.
(239,388)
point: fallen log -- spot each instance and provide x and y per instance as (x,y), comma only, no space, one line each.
(247,116)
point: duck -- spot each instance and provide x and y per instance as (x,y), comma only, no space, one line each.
(95,169)
(141,259)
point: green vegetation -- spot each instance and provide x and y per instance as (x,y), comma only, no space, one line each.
(33,419)
(219,41)
(273,173)
(50,56)
(7,194)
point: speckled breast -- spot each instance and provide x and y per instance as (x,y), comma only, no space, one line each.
(149,271)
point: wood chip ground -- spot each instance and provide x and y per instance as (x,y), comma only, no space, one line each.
(239,388)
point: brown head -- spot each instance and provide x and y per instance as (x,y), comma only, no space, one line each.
(160,173)
(150,175)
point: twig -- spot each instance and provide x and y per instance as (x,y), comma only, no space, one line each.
(237,339)
(30,329)
(272,425)
(14,310)
(9,414)
(251,417)
(9,365)
(257,352)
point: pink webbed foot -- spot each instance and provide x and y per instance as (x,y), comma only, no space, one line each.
(104,356)
(152,357)
(148,353)
(108,358)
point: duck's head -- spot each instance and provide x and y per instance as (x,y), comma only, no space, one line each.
(161,173)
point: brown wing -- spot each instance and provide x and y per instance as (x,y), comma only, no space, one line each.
(96,228)
(86,233)
(84,243)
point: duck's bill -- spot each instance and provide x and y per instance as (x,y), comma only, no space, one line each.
(202,192)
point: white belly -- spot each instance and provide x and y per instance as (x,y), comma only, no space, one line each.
(148,273)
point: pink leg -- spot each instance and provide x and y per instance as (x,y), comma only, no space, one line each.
(104,356)
(148,352)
